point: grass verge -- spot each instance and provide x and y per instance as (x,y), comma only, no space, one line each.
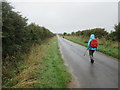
(105,46)
(42,67)
(52,73)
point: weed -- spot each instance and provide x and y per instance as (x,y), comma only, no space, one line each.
(42,67)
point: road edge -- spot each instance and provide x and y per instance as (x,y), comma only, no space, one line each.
(74,83)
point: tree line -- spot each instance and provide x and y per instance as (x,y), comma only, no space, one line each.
(17,35)
(99,33)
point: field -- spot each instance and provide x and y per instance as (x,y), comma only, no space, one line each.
(42,67)
(106,46)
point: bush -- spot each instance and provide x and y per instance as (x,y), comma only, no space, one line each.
(17,36)
(99,32)
(114,35)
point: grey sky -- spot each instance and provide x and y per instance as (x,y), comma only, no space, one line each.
(62,17)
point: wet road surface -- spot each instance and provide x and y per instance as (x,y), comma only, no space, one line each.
(102,74)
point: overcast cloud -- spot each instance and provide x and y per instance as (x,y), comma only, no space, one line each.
(62,17)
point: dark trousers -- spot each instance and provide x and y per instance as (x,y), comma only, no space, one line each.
(91,53)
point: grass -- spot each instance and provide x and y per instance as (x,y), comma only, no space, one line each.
(52,73)
(105,46)
(27,69)
(42,67)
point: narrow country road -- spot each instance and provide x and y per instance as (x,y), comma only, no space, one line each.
(102,74)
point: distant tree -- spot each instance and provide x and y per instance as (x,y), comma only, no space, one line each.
(99,32)
(64,33)
(68,34)
(78,33)
(117,31)
(114,35)
(73,33)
